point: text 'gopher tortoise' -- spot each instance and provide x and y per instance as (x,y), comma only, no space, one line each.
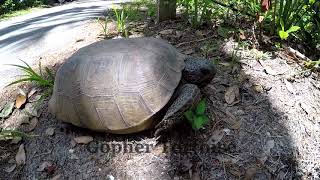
(123,86)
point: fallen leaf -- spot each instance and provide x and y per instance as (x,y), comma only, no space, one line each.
(31,109)
(232,94)
(50,131)
(11,168)
(21,156)
(83,139)
(166,32)
(33,124)
(7,110)
(21,99)
(31,92)
(43,166)
(216,137)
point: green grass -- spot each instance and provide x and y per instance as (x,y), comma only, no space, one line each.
(19,13)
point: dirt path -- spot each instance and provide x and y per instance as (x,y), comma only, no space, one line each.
(264,112)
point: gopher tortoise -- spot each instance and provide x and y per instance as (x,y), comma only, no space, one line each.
(127,85)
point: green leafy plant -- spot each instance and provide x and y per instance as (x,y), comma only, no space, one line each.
(41,79)
(104,24)
(6,134)
(198,11)
(197,117)
(44,80)
(121,21)
(284,34)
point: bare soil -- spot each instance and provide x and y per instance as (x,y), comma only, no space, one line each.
(264,122)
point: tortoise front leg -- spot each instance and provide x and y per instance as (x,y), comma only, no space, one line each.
(189,96)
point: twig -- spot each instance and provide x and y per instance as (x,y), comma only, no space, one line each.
(198,40)
(297,53)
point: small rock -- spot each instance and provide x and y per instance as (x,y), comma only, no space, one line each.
(50,131)
(83,139)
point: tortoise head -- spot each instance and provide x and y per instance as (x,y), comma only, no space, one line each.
(198,71)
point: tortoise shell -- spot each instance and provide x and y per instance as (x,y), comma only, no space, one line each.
(118,85)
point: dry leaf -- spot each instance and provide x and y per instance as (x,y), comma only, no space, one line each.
(266,151)
(50,131)
(33,124)
(216,137)
(31,92)
(232,94)
(166,32)
(43,166)
(10,169)
(31,109)
(21,99)
(21,156)
(83,139)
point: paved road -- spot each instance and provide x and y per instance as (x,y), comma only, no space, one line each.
(43,31)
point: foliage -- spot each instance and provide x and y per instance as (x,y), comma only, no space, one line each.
(312,65)
(198,11)
(44,80)
(8,6)
(284,34)
(6,134)
(197,117)
(121,18)
(104,24)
